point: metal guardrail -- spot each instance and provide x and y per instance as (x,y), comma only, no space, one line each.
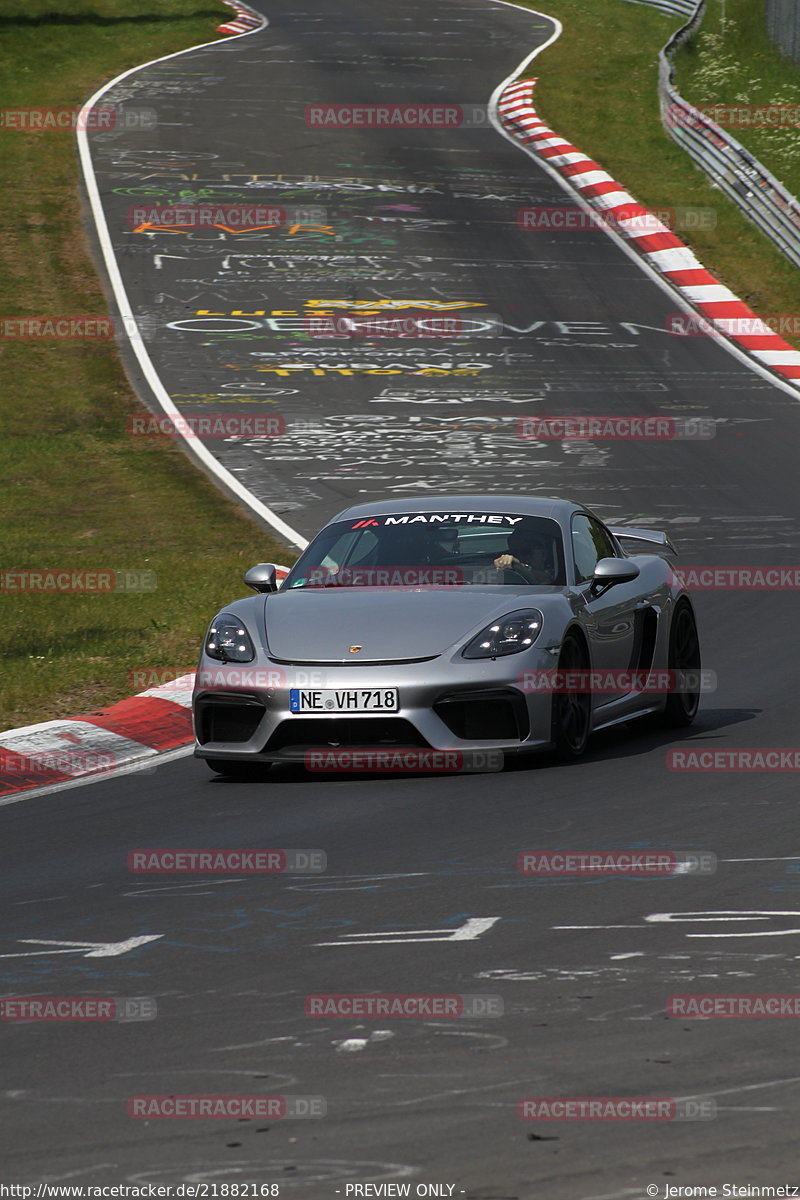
(731,167)
(674,8)
(783,26)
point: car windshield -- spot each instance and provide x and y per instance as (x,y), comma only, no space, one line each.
(433,549)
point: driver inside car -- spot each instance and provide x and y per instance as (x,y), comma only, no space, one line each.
(529,556)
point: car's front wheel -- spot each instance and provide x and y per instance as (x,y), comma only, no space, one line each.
(684,658)
(572,711)
(233,769)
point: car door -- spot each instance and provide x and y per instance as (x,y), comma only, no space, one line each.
(609,619)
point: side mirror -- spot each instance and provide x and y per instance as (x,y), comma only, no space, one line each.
(262,578)
(608,572)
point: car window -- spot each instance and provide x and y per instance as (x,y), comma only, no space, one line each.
(434,548)
(350,547)
(590,542)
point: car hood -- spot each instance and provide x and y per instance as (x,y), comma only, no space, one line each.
(317,625)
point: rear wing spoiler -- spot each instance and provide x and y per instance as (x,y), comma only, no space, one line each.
(626,533)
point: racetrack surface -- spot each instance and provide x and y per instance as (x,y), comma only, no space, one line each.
(583,973)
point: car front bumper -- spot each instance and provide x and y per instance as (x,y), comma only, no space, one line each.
(448,704)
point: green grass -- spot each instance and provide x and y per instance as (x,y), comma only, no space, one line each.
(735,63)
(598,87)
(77,491)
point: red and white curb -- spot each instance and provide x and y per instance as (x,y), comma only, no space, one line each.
(100,742)
(245,21)
(658,246)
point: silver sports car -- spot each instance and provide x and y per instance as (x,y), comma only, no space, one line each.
(455,625)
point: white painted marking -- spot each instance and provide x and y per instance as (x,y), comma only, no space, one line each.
(715,916)
(747,1087)
(676,259)
(489,1087)
(401,933)
(179,691)
(630,954)
(779,358)
(86,949)
(472,928)
(71,1174)
(599,927)
(367,882)
(782,858)
(588,178)
(706,292)
(171,888)
(45,741)
(193,445)
(555,140)
(574,156)
(612,199)
(147,765)
(726,916)
(661,281)
(635,228)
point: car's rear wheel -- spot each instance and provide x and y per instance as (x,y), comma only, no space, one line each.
(572,711)
(232,769)
(684,656)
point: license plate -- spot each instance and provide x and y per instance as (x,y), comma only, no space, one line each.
(344,700)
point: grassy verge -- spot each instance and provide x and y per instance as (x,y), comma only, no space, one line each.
(77,492)
(598,87)
(733,62)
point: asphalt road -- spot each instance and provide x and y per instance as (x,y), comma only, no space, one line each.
(583,970)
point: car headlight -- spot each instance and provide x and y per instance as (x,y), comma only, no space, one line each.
(508,635)
(228,640)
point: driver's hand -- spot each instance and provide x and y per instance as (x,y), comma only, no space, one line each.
(505,560)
